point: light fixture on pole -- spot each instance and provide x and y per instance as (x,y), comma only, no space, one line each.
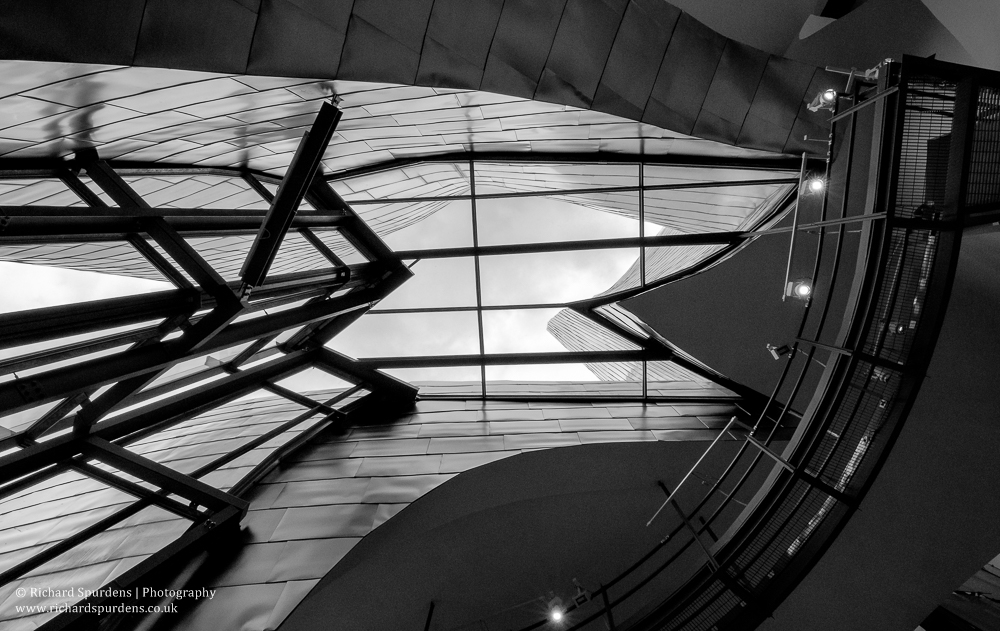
(801,289)
(825,100)
(556,611)
(778,352)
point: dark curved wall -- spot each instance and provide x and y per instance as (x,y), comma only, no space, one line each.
(640,59)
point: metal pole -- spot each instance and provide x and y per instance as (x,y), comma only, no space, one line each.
(691,471)
(795,226)
(430,615)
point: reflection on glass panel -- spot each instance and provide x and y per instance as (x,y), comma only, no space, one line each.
(669,261)
(409,334)
(296,254)
(436,283)
(623,318)
(19,421)
(225,254)
(108,258)
(619,379)
(421,226)
(656,175)
(27,372)
(435,179)
(505,177)
(340,246)
(666,371)
(553,277)
(712,209)
(26,351)
(453,380)
(579,333)
(313,379)
(193,191)
(45,192)
(541,219)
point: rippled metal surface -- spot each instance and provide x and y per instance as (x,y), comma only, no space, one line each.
(306,517)
(183,117)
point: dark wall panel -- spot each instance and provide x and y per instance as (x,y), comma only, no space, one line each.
(93,31)
(685,76)
(635,58)
(305,36)
(197,34)
(458,41)
(520,46)
(731,93)
(580,51)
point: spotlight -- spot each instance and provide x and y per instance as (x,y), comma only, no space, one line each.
(801,289)
(815,185)
(825,100)
(778,352)
(556,613)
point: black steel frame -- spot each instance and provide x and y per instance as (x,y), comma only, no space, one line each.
(99,403)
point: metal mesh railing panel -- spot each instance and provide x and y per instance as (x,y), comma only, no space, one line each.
(984,164)
(926,143)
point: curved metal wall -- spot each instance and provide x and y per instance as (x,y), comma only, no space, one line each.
(641,59)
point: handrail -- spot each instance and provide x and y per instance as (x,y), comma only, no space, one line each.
(875,365)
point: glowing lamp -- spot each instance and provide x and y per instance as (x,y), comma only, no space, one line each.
(801,289)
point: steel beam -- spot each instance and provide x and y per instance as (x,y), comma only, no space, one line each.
(595,157)
(54,223)
(322,196)
(162,476)
(152,572)
(35,325)
(513,359)
(699,238)
(62,382)
(190,403)
(572,192)
(296,182)
(357,371)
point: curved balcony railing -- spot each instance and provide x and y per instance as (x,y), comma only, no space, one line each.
(759,521)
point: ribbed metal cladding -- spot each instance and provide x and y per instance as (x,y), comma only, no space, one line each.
(984,167)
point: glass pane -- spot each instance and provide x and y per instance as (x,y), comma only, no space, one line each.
(313,380)
(421,226)
(340,246)
(108,257)
(434,179)
(296,254)
(712,209)
(225,254)
(436,283)
(552,277)
(622,318)
(578,333)
(454,380)
(499,177)
(496,376)
(543,219)
(48,192)
(36,286)
(409,334)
